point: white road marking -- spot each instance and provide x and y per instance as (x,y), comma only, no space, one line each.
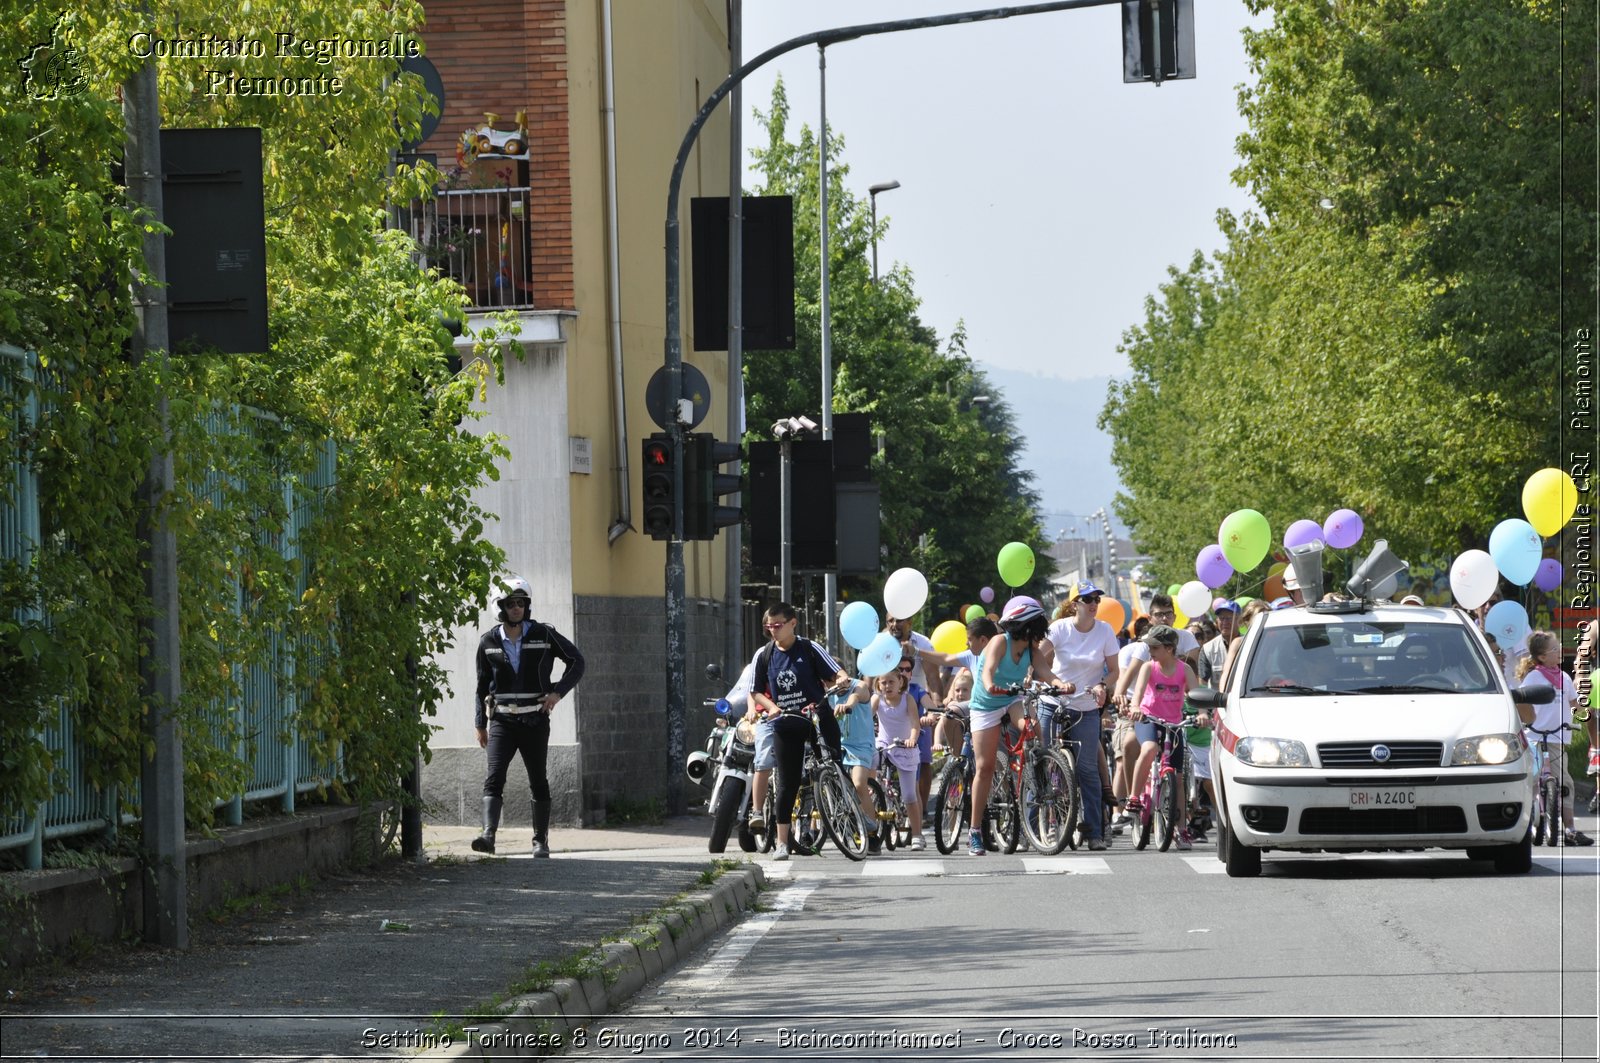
(902,868)
(1065,865)
(703,978)
(1205,865)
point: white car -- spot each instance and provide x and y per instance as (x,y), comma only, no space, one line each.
(1365,726)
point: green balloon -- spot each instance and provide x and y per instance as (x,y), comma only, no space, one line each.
(974,612)
(1245,538)
(1172,591)
(1016,564)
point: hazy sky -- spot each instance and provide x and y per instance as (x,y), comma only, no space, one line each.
(1041,198)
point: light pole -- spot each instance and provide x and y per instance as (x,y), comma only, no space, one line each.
(786,432)
(872,194)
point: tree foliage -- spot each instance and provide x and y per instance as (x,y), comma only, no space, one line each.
(1386,335)
(347,613)
(951,491)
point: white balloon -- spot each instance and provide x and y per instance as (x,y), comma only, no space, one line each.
(904,592)
(1194,598)
(1473,578)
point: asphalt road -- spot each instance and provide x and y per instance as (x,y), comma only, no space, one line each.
(1140,955)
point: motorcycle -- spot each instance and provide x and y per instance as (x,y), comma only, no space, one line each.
(726,766)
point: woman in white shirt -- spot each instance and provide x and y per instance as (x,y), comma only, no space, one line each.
(1086,656)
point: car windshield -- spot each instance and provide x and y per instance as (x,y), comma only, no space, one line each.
(1368,657)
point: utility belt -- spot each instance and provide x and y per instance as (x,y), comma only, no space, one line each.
(513,705)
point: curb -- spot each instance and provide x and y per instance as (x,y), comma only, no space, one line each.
(539,1024)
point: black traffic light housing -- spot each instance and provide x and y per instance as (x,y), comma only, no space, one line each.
(703,486)
(657,483)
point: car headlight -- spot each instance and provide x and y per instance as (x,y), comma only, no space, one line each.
(1487,749)
(1272,753)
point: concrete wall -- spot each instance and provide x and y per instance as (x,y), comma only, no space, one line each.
(48,911)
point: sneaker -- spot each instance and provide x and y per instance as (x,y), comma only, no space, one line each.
(874,843)
(1594,802)
(757,825)
(1594,762)
(781,853)
(1097,845)
(917,845)
(976,848)
(1135,808)
(1577,837)
(1183,841)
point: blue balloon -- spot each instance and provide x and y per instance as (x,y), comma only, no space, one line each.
(1508,623)
(858,623)
(880,657)
(1517,550)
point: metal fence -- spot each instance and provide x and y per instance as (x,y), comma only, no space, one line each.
(479,237)
(259,728)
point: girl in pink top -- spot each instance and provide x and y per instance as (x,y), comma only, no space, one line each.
(899,726)
(1158,693)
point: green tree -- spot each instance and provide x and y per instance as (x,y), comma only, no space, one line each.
(952,493)
(1385,336)
(385,561)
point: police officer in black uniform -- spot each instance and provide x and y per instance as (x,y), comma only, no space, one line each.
(513,705)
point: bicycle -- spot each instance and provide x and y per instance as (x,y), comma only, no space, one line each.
(951,799)
(832,801)
(1045,778)
(1547,794)
(1159,805)
(896,818)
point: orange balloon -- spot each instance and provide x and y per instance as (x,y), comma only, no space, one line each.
(1273,588)
(1111,612)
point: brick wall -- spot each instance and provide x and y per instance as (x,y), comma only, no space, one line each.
(622,733)
(505,56)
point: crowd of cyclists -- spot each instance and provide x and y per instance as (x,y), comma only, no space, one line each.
(1101,681)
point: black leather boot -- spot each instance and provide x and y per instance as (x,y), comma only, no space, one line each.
(484,843)
(541,828)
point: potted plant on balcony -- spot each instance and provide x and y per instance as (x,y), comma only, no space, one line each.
(453,248)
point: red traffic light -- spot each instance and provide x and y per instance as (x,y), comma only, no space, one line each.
(657,453)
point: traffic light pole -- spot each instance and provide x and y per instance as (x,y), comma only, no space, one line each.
(677,626)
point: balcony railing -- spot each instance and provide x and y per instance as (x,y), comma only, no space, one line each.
(479,237)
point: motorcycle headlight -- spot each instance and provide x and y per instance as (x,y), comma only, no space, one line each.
(1272,753)
(1486,749)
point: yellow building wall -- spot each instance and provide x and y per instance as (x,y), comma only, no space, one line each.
(667,58)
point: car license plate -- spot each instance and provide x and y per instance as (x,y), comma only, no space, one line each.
(1369,797)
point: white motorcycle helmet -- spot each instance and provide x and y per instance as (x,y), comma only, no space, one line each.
(512,587)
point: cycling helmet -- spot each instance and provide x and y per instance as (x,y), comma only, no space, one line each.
(512,587)
(1161,635)
(1020,610)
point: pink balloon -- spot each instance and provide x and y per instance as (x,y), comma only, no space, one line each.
(987,594)
(1548,578)
(1302,532)
(1342,529)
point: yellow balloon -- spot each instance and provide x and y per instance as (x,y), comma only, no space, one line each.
(1180,621)
(1277,569)
(1548,499)
(950,637)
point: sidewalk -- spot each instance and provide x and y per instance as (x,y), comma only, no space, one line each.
(318,973)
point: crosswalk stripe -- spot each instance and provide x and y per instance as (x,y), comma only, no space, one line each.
(1205,865)
(1065,865)
(902,868)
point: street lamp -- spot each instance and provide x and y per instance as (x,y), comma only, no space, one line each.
(872,193)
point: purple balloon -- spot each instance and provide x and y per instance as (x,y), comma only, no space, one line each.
(1342,529)
(1211,567)
(1548,578)
(1302,532)
(987,594)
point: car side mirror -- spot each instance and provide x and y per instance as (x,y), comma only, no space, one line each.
(1205,697)
(1535,695)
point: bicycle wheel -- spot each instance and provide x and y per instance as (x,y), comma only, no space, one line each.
(1002,826)
(1141,826)
(899,815)
(1049,802)
(841,814)
(767,840)
(1536,828)
(1551,792)
(949,801)
(806,833)
(1166,810)
(880,813)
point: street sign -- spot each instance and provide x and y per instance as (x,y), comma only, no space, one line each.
(695,388)
(1152,28)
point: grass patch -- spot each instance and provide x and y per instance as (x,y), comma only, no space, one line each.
(626,812)
(260,902)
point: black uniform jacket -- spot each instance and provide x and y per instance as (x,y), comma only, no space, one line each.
(542,646)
